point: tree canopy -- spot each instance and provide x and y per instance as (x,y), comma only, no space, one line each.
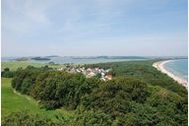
(135,97)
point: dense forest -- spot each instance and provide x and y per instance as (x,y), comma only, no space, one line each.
(143,70)
(138,95)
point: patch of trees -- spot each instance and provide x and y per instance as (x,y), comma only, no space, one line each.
(7,73)
(129,100)
(52,88)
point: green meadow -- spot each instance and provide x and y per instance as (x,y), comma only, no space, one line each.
(17,64)
(14,102)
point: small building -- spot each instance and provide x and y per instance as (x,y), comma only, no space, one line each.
(108,77)
(91,74)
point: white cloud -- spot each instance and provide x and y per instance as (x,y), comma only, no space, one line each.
(23,16)
(34,11)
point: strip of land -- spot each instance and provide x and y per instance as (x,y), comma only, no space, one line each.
(161,67)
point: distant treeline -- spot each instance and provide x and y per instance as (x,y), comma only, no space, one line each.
(139,95)
(40,58)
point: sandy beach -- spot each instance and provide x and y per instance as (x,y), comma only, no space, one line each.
(160,66)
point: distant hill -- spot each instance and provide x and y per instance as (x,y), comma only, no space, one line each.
(22,59)
(51,56)
(40,58)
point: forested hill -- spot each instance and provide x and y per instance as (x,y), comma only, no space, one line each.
(138,95)
(142,70)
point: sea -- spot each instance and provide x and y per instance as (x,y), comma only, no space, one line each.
(178,67)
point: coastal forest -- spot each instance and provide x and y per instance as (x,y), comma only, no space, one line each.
(138,95)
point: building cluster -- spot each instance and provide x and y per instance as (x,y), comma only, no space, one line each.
(90,72)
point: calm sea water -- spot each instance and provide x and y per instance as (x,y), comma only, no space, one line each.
(178,68)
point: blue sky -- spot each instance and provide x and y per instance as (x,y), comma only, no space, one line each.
(94,27)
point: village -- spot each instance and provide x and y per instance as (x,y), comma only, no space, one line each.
(100,73)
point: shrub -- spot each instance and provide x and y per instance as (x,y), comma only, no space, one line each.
(26,119)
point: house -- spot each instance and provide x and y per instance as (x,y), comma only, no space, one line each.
(108,77)
(77,70)
(102,74)
(60,69)
(73,71)
(91,74)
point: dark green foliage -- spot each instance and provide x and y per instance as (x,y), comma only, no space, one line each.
(129,119)
(138,95)
(53,89)
(25,119)
(144,71)
(7,73)
(114,96)
(62,89)
(98,75)
(26,85)
(6,69)
(171,108)
(92,118)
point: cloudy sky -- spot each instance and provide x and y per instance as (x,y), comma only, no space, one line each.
(94,27)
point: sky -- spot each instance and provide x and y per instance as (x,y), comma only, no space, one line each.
(94,27)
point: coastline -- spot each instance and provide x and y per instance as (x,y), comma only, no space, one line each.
(160,66)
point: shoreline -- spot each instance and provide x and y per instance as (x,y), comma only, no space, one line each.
(160,66)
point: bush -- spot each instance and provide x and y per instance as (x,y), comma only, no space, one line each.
(93,118)
(26,119)
(114,96)
(7,73)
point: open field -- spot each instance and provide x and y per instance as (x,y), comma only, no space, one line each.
(16,64)
(13,102)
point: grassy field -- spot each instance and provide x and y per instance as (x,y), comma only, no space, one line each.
(13,102)
(16,64)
